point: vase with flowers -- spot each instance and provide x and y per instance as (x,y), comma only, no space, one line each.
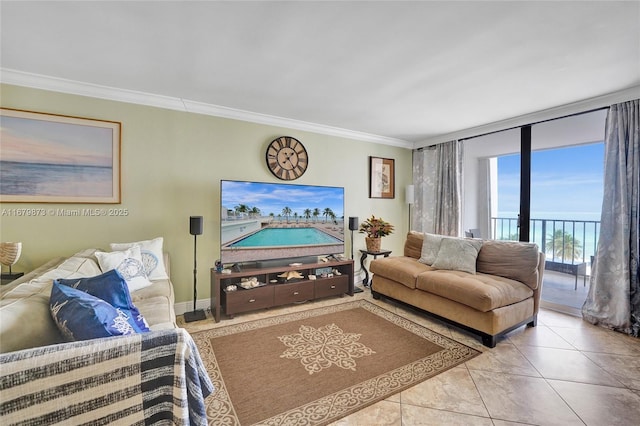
(375,228)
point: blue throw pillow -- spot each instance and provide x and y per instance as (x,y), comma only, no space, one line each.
(113,289)
(81,316)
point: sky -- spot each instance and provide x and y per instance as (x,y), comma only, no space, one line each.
(566,183)
(47,142)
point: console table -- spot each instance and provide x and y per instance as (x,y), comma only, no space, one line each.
(375,254)
(282,292)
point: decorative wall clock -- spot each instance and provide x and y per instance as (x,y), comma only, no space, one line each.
(287,158)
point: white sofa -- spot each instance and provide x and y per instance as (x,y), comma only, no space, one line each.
(25,318)
(150,377)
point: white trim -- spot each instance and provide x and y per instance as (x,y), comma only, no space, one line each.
(547,114)
(37,81)
(182,307)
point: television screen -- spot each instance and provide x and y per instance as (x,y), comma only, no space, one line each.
(266,221)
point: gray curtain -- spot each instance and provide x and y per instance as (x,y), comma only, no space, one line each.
(437,176)
(613,300)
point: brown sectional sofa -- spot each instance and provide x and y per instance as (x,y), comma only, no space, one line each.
(503,293)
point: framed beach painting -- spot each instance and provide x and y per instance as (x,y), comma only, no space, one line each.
(47,158)
(381,177)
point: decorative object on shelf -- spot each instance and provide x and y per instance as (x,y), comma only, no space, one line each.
(195,229)
(410,198)
(375,228)
(9,255)
(381,177)
(92,147)
(287,158)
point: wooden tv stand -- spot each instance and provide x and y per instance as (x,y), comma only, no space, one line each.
(281,293)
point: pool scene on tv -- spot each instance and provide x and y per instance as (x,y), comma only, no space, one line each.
(265,221)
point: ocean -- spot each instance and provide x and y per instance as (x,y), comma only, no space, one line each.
(17,178)
(583,226)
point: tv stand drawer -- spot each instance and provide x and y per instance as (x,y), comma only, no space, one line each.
(292,293)
(249,300)
(334,286)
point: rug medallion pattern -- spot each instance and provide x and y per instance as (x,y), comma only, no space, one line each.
(322,347)
(307,344)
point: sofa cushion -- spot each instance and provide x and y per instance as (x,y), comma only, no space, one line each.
(156,304)
(128,263)
(111,288)
(510,259)
(81,316)
(457,254)
(403,269)
(480,291)
(152,256)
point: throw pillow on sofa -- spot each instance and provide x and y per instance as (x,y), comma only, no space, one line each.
(80,316)
(430,248)
(458,254)
(128,263)
(113,289)
(152,256)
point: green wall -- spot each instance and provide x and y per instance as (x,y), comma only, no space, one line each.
(172,164)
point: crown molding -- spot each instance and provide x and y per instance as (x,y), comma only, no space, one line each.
(537,117)
(38,81)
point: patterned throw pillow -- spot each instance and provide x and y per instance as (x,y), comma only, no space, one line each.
(128,263)
(152,256)
(113,289)
(80,316)
(458,254)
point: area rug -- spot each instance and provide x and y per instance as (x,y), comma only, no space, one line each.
(317,366)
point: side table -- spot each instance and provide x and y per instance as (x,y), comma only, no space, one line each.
(375,254)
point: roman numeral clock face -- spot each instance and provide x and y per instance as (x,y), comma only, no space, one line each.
(287,158)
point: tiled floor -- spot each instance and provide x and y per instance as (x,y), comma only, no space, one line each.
(562,372)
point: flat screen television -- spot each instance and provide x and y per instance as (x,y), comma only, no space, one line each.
(262,222)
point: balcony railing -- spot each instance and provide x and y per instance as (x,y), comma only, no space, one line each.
(563,241)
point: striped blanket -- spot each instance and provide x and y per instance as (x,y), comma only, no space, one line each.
(148,378)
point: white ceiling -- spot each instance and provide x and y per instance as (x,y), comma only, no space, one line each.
(394,72)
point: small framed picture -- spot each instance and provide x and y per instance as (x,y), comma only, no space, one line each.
(47,158)
(382,177)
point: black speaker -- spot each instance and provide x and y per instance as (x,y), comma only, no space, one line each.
(195,225)
(353,223)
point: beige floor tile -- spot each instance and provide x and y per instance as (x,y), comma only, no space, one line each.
(506,423)
(558,319)
(541,335)
(624,368)
(523,399)
(597,339)
(600,405)
(412,415)
(452,390)
(394,398)
(504,358)
(383,413)
(570,365)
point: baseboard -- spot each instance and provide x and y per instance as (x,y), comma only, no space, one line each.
(182,307)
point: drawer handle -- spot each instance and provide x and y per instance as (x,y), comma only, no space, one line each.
(333,286)
(252,300)
(295,293)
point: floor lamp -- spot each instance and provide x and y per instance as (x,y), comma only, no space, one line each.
(409,196)
(195,229)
